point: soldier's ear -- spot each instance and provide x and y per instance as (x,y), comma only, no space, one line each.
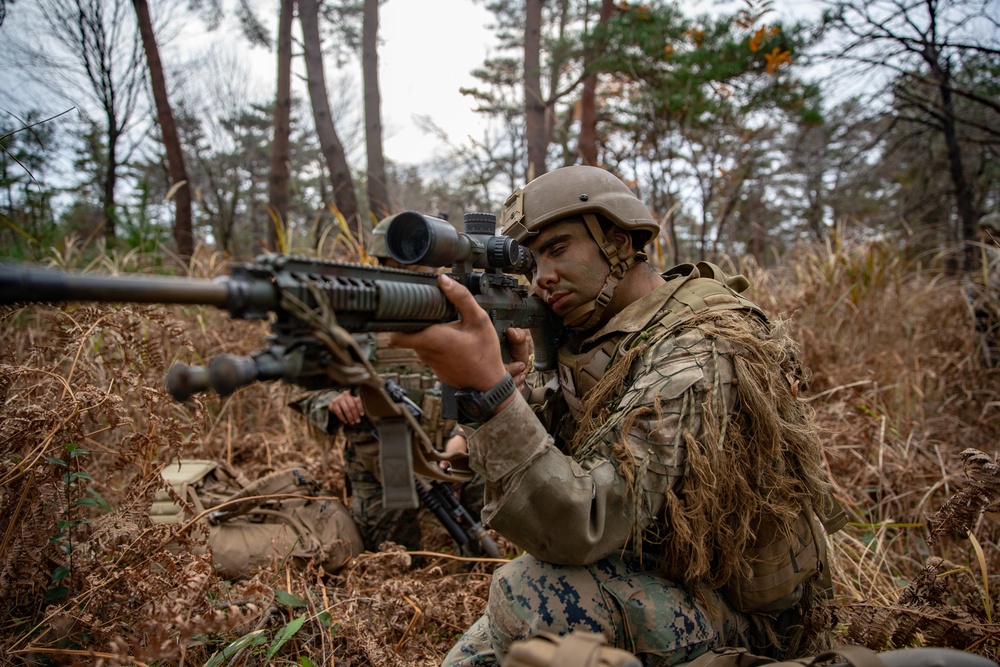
(621,238)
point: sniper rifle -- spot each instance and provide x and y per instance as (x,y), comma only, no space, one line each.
(315,306)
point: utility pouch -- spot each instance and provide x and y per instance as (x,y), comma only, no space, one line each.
(577,649)
(855,656)
(781,565)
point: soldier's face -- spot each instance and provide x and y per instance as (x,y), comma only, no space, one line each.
(570,268)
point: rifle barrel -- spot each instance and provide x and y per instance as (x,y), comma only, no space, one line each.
(33,284)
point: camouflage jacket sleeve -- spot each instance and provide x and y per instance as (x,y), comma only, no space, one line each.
(315,407)
(577,509)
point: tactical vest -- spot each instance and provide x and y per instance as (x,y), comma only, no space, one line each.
(693,290)
(403,366)
(780,566)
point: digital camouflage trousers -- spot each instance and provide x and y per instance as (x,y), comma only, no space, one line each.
(636,610)
(376,523)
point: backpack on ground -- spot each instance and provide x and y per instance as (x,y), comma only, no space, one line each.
(283,515)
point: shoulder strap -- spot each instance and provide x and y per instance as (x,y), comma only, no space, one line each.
(737,283)
(703,295)
(702,288)
(837,517)
(289,480)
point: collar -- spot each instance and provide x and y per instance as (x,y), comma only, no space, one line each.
(638,314)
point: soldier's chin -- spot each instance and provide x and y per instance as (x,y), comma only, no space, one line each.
(574,319)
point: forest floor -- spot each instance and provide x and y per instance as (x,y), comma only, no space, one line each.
(900,382)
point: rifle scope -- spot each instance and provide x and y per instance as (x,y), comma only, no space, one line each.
(414,238)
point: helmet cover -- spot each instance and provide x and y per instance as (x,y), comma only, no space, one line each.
(574,191)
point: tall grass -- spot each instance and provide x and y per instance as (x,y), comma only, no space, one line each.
(900,384)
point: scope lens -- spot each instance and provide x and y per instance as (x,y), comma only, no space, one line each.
(408,238)
(414,238)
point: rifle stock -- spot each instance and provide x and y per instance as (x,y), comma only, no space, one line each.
(314,307)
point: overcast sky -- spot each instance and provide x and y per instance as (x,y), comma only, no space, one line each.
(427,56)
(427,53)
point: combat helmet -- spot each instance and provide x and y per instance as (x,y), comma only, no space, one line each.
(585,192)
(377,247)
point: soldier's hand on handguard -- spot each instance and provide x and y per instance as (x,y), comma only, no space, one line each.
(347,407)
(464,353)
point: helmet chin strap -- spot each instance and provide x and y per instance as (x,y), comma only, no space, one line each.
(585,317)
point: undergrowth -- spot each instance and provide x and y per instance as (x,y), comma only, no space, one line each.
(898,380)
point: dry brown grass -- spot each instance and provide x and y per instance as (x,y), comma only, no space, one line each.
(897,381)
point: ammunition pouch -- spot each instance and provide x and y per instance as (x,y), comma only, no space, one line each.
(781,565)
(437,428)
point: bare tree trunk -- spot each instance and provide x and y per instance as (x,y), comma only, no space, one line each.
(110,57)
(183,232)
(378,193)
(108,205)
(733,189)
(588,103)
(280,156)
(814,191)
(534,105)
(892,35)
(333,151)
(964,197)
(675,241)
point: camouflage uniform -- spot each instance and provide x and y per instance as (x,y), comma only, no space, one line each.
(577,513)
(670,490)
(361,453)
(628,602)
